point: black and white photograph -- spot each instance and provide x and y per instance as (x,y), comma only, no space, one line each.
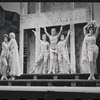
(49,50)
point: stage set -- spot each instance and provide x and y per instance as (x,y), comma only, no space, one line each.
(51,86)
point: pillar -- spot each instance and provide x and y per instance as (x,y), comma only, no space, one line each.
(38,10)
(21,38)
(72,43)
(72,48)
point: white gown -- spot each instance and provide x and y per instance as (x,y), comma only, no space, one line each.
(14,60)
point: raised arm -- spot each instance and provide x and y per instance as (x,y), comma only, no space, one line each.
(97,29)
(60,31)
(36,36)
(84,29)
(69,31)
(46,32)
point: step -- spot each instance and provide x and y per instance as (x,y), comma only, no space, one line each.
(57,76)
(51,82)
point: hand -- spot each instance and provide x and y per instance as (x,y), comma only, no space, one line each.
(90,22)
(94,22)
(61,28)
(33,31)
(69,31)
(45,29)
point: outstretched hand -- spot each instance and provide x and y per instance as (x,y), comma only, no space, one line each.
(69,31)
(45,29)
(61,28)
(95,24)
(33,31)
(91,22)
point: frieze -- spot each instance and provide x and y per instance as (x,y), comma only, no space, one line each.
(54,18)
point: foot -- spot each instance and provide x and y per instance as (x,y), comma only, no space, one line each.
(93,78)
(90,77)
(13,78)
(49,72)
(5,78)
(2,78)
(33,71)
(60,72)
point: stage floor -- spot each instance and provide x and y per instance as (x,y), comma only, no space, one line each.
(65,80)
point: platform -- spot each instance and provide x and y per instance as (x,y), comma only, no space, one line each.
(51,87)
(75,80)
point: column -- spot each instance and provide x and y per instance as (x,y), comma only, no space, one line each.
(38,10)
(92,10)
(21,37)
(72,43)
(72,48)
(37,46)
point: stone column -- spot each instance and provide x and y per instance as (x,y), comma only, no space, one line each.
(72,48)
(21,37)
(38,10)
(72,43)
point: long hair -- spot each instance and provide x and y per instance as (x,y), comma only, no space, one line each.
(12,34)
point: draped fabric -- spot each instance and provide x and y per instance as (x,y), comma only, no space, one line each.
(85,68)
(66,67)
(40,67)
(63,51)
(14,60)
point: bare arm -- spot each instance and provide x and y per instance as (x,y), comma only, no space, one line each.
(69,31)
(3,47)
(46,32)
(84,29)
(97,29)
(36,36)
(60,31)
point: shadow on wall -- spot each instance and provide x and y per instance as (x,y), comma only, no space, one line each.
(79,36)
(98,59)
(9,22)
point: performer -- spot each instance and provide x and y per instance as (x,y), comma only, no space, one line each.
(14,61)
(53,47)
(44,54)
(4,57)
(63,55)
(89,48)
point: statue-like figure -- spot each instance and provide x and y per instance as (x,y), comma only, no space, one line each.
(63,56)
(4,58)
(90,49)
(53,48)
(14,59)
(43,56)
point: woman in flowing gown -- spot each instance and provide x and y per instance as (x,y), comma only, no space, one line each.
(14,60)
